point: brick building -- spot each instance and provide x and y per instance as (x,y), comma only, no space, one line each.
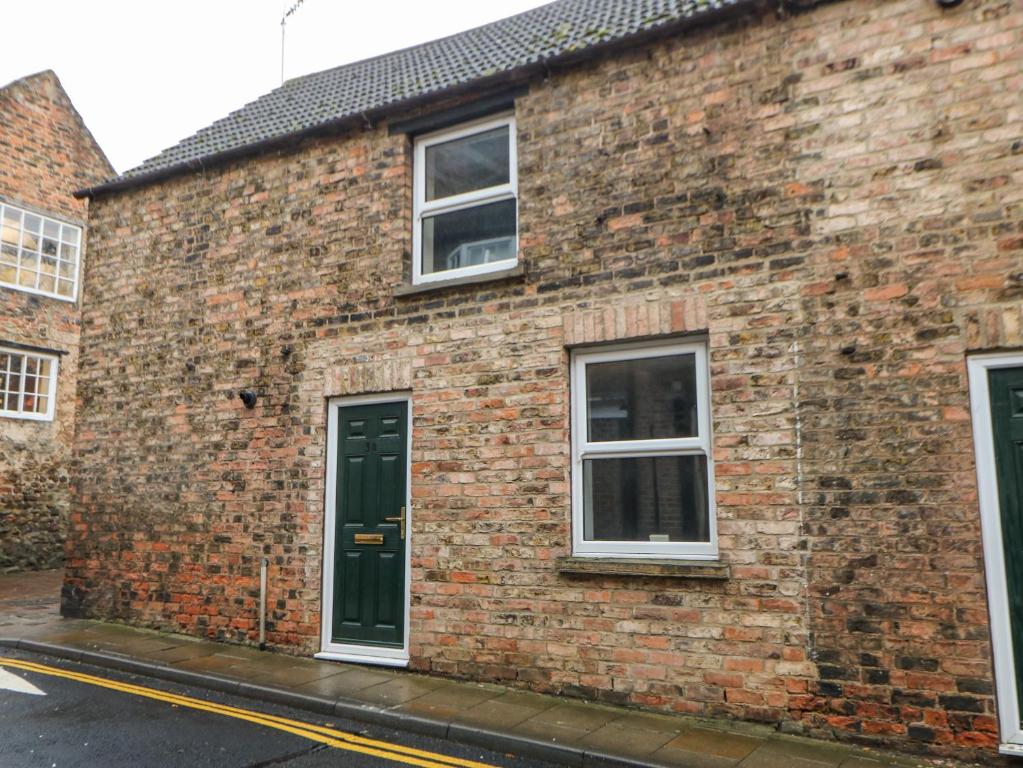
(46,153)
(617,348)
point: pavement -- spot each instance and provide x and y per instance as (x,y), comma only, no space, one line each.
(551,728)
(72,715)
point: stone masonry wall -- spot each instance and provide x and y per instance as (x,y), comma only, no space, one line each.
(46,153)
(828,198)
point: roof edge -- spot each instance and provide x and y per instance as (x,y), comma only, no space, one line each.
(33,76)
(50,74)
(511,76)
(84,126)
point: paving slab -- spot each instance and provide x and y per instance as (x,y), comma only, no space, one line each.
(650,721)
(683,757)
(269,665)
(142,647)
(536,701)
(179,653)
(101,646)
(634,742)
(459,697)
(733,746)
(214,663)
(358,679)
(552,732)
(111,631)
(400,690)
(765,758)
(858,761)
(426,710)
(577,715)
(821,753)
(291,676)
(334,687)
(242,653)
(495,714)
(67,634)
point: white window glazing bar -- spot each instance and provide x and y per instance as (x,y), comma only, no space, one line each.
(21,388)
(21,250)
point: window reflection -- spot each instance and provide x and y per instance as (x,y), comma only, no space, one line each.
(37,253)
(644,399)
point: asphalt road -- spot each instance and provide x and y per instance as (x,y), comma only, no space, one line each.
(81,723)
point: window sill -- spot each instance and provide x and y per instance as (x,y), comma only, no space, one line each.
(437,285)
(664,568)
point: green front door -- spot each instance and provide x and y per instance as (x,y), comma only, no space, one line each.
(369,561)
(1006,387)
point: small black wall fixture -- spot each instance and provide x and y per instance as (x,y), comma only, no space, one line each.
(248,398)
(949,3)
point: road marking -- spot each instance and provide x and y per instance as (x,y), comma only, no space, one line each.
(11,682)
(322,734)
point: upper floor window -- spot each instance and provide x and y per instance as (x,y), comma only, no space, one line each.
(642,471)
(38,254)
(28,384)
(466,217)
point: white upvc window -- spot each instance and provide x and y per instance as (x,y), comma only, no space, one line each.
(465,209)
(642,469)
(39,254)
(28,384)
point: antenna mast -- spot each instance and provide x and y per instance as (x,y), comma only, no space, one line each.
(284,20)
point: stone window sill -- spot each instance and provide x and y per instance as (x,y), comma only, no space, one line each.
(671,569)
(512,273)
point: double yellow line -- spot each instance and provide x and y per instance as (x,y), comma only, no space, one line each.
(318,733)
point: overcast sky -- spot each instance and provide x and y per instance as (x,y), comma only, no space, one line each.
(146,74)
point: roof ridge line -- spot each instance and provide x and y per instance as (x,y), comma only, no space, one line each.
(503,51)
(414,46)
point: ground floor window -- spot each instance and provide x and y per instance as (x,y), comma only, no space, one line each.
(642,471)
(28,384)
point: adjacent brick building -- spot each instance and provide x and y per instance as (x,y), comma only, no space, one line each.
(664,221)
(46,153)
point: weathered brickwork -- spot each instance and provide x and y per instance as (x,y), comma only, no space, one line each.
(46,153)
(916,135)
(832,199)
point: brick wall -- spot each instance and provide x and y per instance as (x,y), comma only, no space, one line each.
(45,154)
(827,197)
(912,131)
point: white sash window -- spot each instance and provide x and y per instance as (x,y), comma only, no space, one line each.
(642,469)
(38,254)
(466,211)
(28,384)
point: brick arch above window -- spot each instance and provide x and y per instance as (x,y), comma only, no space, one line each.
(634,319)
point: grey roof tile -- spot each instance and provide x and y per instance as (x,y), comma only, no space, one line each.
(545,33)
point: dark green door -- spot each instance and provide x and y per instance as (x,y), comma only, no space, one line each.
(369,563)
(1006,387)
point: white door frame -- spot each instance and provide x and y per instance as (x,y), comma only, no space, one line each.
(1010,732)
(361,654)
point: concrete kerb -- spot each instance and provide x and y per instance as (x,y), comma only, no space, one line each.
(352,710)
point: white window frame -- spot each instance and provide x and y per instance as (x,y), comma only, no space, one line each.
(583,449)
(422,208)
(51,395)
(54,294)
